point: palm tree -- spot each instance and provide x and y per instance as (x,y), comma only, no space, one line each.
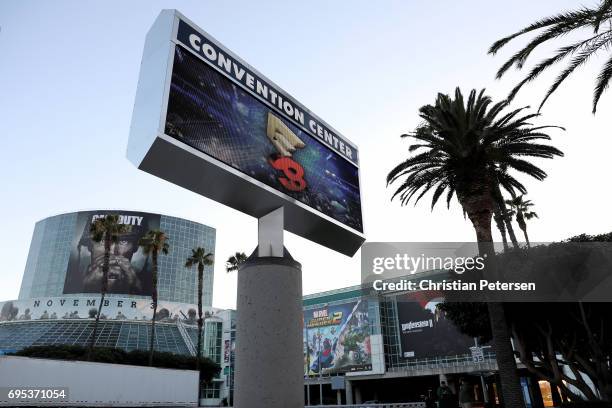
(467,151)
(503,219)
(199,257)
(521,211)
(595,24)
(107,230)
(154,242)
(233,262)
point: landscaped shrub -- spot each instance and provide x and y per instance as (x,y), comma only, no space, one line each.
(208,368)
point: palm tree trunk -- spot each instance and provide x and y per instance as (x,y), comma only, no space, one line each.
(501,226)
(200,324)
(499,198)
(151,345)
(510,228)
(103,289)
(92,341)
(478,203)
(520,220)
(154,298)
(526,237)
(506,363)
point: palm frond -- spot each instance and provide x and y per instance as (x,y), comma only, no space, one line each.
(464,140)
(604,11)
(234,262)
(519,58)
(603,80)
(564,19)
(560,55)
(576,62)
(555,27)
(199,256)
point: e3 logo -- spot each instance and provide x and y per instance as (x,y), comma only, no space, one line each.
(294,173)
(286,142)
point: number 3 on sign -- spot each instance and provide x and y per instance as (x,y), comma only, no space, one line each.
(294,173)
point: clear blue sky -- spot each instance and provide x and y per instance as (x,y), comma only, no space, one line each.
(68,73)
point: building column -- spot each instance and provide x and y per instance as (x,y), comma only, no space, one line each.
(320,392)
(269,370)
(357,395)
(349,391)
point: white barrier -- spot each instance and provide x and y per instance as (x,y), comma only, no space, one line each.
(97,384)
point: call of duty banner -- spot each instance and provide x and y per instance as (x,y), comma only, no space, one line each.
(130,269)
(214,115)
(424,329)
(337,339)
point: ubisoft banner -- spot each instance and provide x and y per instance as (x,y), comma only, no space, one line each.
(86,307)
(130,269)
(337,339)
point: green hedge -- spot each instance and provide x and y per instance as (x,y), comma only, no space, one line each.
(208,368)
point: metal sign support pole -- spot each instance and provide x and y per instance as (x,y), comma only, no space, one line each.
(269,366)
(270,234)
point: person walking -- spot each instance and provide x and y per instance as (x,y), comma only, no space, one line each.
(445,396)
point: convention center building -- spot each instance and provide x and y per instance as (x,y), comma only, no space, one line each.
(358,345)
(60,289)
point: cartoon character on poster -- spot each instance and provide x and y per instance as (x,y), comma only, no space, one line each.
(338,339)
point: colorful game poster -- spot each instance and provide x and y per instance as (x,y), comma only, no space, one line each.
(337,339)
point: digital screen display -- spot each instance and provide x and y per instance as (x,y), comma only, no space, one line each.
(130,271)
(425,331)
(337,339)
(214,115)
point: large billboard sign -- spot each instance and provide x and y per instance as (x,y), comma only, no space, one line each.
(130,269)
(425,331)
(337,339)
(81,307)
(207,121)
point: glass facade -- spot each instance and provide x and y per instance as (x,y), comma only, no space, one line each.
(177,283)
(211,346)
(54,237)
(212,340)
(212,390)
(45,270)
(124,335)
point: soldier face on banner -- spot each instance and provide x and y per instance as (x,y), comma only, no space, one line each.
(130,270)
(122,275)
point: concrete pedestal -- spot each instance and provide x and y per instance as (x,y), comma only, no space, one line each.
(269,338)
